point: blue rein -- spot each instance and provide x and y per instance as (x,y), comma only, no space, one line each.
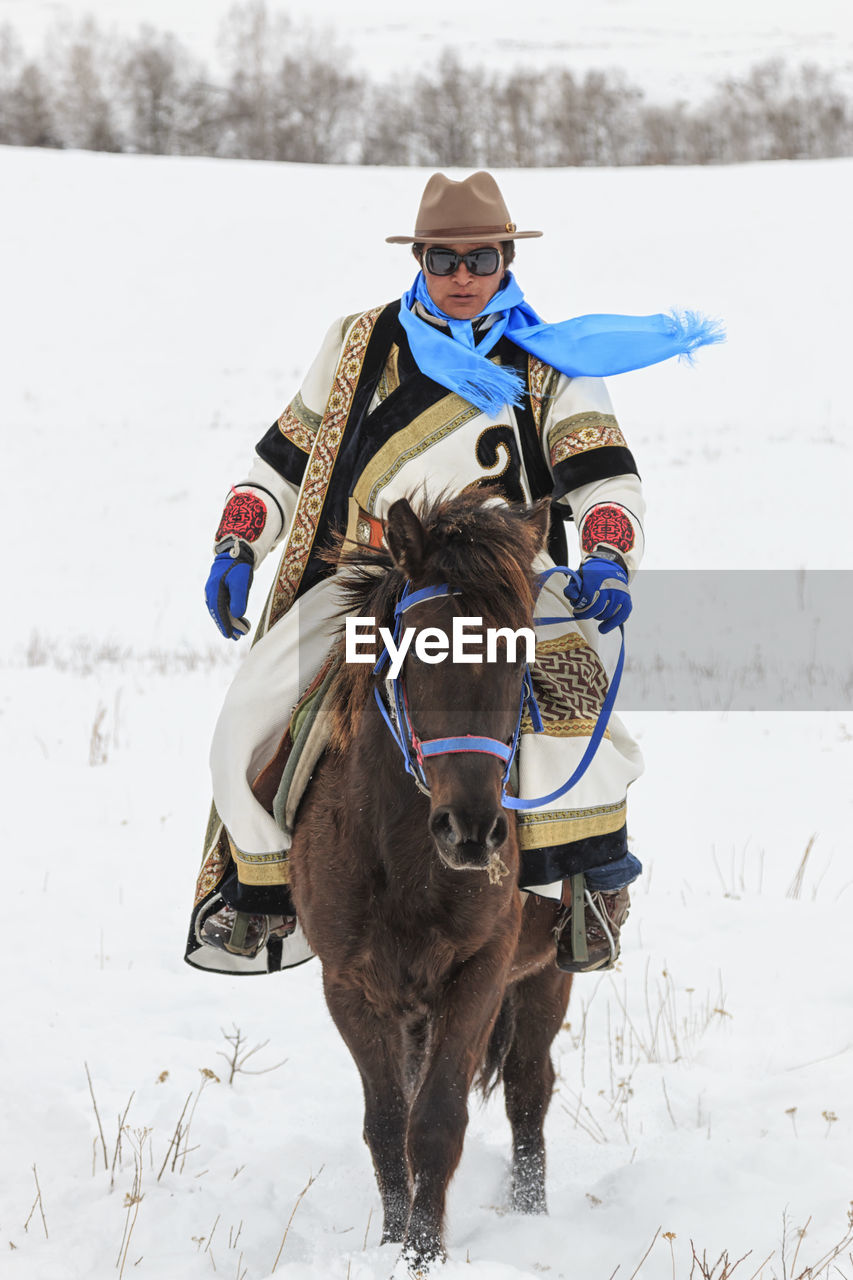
(415,751)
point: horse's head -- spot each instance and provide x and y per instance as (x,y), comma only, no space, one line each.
(461,682)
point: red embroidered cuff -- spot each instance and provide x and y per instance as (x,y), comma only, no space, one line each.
(244,516)
(610,524)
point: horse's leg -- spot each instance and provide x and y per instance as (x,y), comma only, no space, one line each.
(439,1114)
(376,1048)
(528,1075)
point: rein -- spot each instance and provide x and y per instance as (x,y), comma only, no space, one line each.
(415,750)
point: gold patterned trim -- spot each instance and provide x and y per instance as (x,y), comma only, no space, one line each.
(213,867)
(541,379)
(582,432)
(300,424)
(419,446)
(434,424)
(563,826)
(318,472)
(260,868)
(561,644)
(390,379)
(568,728)
(277,872)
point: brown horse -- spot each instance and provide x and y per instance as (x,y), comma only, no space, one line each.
(432,971)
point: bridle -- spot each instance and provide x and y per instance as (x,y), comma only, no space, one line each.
(415,750)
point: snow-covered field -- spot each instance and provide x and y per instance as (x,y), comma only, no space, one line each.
(670,49)
(155,315)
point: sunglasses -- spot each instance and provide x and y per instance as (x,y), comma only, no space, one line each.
(480,262)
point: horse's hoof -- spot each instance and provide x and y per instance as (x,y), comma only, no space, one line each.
(419,1264)
(528,1202)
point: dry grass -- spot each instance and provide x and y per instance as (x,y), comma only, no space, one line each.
(662,1025)
(313,1178)
(38,1203)
(86,655)
(795,889)
(238,1055)
(782,1264)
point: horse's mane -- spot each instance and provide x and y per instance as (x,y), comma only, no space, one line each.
(481,548)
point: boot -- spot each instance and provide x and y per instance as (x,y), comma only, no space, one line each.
(588,941)
(240,932)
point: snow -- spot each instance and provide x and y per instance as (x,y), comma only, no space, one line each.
(670,49)
(154,318)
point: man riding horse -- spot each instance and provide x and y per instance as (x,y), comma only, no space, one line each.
(457,385)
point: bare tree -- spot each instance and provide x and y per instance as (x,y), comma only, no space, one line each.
(253,44)
(702,142)
(171,107)
(11,59)
(450,114)
(317,105)
(30,111)
(388,125)
(82,66)
(288,93)
(518,135)
(661,134)
(594,120)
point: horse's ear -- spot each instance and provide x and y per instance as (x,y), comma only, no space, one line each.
(406,538)
(537,517)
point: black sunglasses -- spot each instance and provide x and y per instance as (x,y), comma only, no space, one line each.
(480,262)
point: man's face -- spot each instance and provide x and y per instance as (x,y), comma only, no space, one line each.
(463,295)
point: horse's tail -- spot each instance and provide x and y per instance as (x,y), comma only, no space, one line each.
(503,1034)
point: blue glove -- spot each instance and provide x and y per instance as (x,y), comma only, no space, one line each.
(600,590)
(227,587)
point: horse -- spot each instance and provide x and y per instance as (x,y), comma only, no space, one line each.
(407,890)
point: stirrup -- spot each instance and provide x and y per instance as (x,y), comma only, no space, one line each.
(594,924)
(241,933)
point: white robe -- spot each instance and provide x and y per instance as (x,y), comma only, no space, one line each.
(437,453)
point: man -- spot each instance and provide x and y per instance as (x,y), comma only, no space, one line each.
(457,384)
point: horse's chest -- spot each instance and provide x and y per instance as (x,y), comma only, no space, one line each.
(401,976)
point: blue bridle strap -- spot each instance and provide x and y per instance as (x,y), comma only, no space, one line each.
(574,579)
(414,751)
(513,802)
(407,599)
(448,746)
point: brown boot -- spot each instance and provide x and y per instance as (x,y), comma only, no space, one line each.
(590,942)
(241,933)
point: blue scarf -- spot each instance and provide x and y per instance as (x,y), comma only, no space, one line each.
(587,346)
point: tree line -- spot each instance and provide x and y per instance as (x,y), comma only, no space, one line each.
(284,92)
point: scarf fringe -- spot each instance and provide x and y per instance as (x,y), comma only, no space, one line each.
(692,330)
(490,388)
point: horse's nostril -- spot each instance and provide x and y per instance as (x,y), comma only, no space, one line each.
(498,833)
(443,827)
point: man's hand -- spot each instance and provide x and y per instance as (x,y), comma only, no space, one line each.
(227,587)
(601,592)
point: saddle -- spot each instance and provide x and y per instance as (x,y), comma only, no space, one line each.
(282,783)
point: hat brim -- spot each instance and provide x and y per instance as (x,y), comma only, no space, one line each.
(482,238)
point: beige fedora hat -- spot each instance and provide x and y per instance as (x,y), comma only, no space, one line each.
(463,213)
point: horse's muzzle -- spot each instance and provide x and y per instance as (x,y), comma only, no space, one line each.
(467,840)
